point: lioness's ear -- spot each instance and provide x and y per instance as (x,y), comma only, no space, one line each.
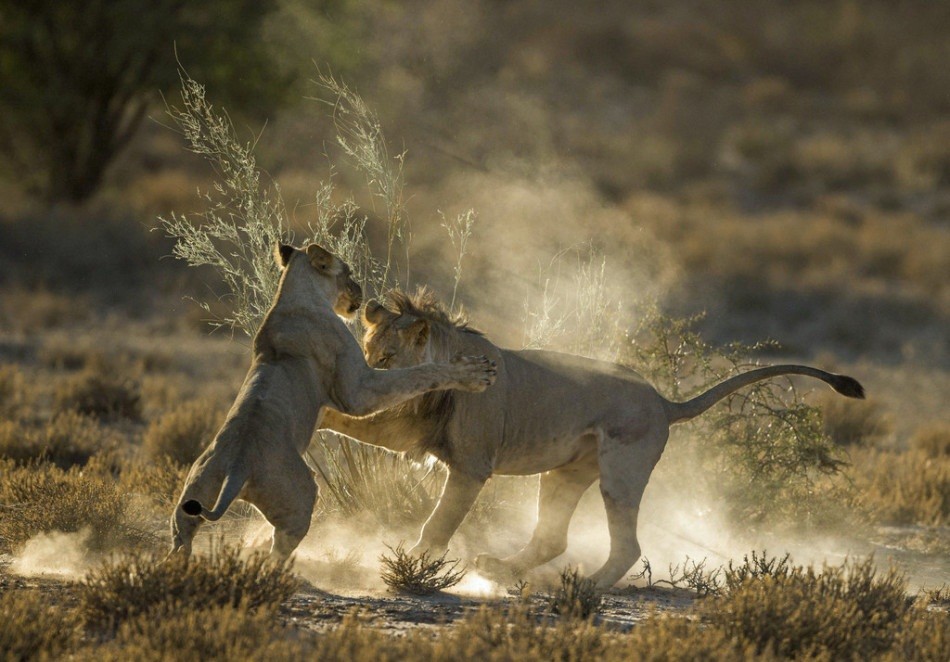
(323,260)
(376,313)
(418,332)
(282,253)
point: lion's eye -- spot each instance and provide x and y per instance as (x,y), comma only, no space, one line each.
(385,360)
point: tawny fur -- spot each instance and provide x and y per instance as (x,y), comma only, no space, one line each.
(569,418)
(304,358)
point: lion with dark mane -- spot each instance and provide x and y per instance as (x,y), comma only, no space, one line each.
(569,418)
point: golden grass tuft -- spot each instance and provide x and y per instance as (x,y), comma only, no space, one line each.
(576,597)
(31,628)
(98,393)
(182,433)
(140,585)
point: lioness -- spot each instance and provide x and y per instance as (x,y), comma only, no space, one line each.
(570,418)
(303,359)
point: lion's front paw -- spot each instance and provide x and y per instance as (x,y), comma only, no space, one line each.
(495,569)
(476,373)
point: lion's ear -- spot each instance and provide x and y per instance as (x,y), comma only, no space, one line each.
(375,313)
(418,332)
(323,260)
(282,253)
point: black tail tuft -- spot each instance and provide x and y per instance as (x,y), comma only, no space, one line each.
(848,386)
(192,508)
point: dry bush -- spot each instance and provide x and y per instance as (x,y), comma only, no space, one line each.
(158,480)
(395,489)
(40,497)
(98,393)
(138,585)
(576,597)
(843,612)
(183,433)
(216,633)
(66,355)
(30,628)
(933,440)
(849,422)
(69,439)
(912,487)
(13,390)
(419,575)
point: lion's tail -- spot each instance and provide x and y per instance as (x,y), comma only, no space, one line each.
(229,491)
(683,411)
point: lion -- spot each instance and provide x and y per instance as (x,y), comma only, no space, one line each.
(569,418)
(304,358)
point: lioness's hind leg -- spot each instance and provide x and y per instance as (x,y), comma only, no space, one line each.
(559,492)
(625,468)
(286,500)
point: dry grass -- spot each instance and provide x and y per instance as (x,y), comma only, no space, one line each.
(422,574)
(40,497)
(184,432)
(853,422)
(68,439)
(576,597)
(933,440)
(911,487)
(144,585)
(31,628)
(99,393)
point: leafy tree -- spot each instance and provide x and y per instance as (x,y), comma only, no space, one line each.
(78,77)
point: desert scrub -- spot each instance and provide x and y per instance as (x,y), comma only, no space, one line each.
(576,596)
(843,612)
(40,497)
(142,584)
(99,393)
(30,628)
(182,433)
(421,574)
(851,422)
(933,440)
(68,439)
(397,491)
(911,487)
(215,633)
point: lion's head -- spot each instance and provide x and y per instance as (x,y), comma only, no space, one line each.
(333,276)
(393,340)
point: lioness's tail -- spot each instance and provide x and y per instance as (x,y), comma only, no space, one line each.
(683,411)
(229,491)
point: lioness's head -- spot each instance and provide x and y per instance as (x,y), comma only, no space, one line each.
(334,276)
(393,340)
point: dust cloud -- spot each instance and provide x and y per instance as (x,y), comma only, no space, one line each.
(56,553)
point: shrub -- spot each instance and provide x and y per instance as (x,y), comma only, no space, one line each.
(69,439)
(140,584)
(419,575)
(844,612)
(396,490)
(183,433)
(902,488)
(99,394)
(30,628)
(933,440)
(850,422)
(214,633)
(576,597)
(12,390)
(40,497)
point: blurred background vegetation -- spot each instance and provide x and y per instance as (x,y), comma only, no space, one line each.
(784,167)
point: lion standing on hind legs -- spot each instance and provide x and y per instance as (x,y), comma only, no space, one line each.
(569,418)
(304,359)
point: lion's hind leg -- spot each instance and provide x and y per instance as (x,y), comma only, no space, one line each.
(286,499)
(625,468)
(559,492)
